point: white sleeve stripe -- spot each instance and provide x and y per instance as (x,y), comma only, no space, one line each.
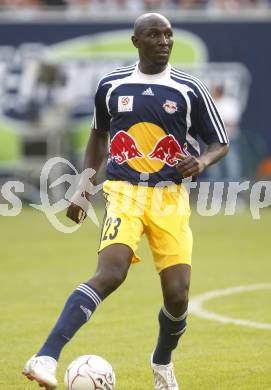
(204,91)
(220,137)
(126,67)
(199,84)
(213,105)
(211,108)
(94,119)
(119,71)
(123,68)
(210,105)
(114,73)
(111,79)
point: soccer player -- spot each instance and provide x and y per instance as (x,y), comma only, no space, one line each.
(153,115)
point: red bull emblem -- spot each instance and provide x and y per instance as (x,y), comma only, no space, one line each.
(123,147)
(170,107)
(166,150)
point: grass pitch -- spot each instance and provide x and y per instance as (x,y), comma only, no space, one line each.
(41,266)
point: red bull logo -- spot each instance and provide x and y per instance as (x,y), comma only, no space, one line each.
(146,148)
(170,107)
(123,147)
(167,149)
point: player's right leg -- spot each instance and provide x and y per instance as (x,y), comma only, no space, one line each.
(113,265)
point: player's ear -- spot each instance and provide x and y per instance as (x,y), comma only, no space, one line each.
(135,41)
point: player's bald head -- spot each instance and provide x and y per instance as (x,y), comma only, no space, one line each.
(148,20)
(153,38)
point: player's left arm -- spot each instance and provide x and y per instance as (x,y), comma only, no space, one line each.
(193,166)
(209,126)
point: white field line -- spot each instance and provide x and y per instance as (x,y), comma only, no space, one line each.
(196,303)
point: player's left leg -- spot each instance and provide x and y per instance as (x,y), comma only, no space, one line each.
(170,238)
(175,282)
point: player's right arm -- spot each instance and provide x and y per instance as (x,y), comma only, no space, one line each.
(96,150)
(95,153)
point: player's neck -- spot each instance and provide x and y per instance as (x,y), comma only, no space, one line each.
(150,68)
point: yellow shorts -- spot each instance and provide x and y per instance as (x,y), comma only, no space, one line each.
(162,213)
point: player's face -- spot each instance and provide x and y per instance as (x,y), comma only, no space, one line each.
(154,43)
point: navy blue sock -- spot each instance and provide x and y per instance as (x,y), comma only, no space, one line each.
(77,311)
(171,329)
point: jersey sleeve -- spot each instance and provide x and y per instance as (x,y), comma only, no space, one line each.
(207,120)
(101,116)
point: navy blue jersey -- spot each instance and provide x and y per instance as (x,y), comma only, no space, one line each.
(153,118)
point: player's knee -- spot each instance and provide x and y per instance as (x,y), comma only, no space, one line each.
(176,299)
(116,278)
(105,281)
(113,266)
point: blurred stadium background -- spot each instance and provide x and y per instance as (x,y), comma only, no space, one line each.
(52,53)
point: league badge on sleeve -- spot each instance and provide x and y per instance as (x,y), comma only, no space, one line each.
(125,103)
(170,107)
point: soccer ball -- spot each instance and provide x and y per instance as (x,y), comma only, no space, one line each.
(89,372)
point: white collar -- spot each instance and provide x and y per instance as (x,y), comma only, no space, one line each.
(152,77)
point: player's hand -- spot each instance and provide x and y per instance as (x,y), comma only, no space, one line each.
(189,165)
(75,213)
